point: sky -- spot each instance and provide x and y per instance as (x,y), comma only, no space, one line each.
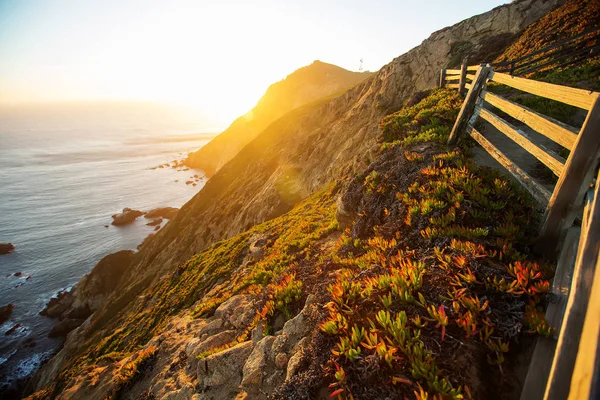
(216,56)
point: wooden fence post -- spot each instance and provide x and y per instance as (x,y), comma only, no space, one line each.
(577,175)
(463,77)
(442,78)
(469,104)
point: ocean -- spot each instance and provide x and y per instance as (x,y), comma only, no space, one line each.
(63,172)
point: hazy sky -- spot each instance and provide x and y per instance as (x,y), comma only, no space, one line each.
(219,56)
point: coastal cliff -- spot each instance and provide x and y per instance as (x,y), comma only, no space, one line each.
(301,87)
(231,291)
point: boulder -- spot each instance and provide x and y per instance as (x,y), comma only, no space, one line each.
(224,368)
(155,222)
(238,311)
(56,306)
(256,363)
(344,216)
(198,346)
(126,217)
(162,212)
(6,312)
(6,248)
(295,361)
(12,329)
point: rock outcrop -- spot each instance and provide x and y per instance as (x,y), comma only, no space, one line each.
(126,217)
(162,212)
(6,248)
(89,294)
(6,312)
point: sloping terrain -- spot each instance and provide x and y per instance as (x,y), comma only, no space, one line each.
(294,158)
(427,290)
(301,87)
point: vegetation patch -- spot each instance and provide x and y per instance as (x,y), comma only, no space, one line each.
(131,371)
(434,281)
(430,120)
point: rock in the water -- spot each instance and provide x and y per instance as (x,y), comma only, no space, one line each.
(155,222)
(6,312)
(6,248)
(12,329)
(162,212)
(126,217)
(55,307)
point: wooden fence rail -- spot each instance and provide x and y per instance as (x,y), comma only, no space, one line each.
(557,369)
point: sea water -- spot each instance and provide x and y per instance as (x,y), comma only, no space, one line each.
(62,176)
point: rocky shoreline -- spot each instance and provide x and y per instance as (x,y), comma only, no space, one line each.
(72,307)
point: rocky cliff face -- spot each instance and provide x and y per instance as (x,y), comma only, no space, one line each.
(295,156)
(303,86)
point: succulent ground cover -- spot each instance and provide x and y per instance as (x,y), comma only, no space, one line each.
(434,283)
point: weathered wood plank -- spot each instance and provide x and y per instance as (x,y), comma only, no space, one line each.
(463,75)
(545,347)
(572,184)
(469,104)
(561,133)
(547,157)
(452,85)
(453,71)
(568,95)
(559,381)
(472,68)
(540,193)
(586,365)
(452,77)
(442,82)
(468,86)
(470,77)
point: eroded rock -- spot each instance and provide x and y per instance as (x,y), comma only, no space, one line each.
(162,212)
(224,368)
(256,364)
(6,312)
(126,217)
(6,248)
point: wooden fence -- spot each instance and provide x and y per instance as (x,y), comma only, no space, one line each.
(562,366)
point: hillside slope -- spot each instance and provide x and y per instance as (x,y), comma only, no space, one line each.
(283,309)
(294,157)
(301,87)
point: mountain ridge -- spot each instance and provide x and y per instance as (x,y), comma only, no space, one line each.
(299,88)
